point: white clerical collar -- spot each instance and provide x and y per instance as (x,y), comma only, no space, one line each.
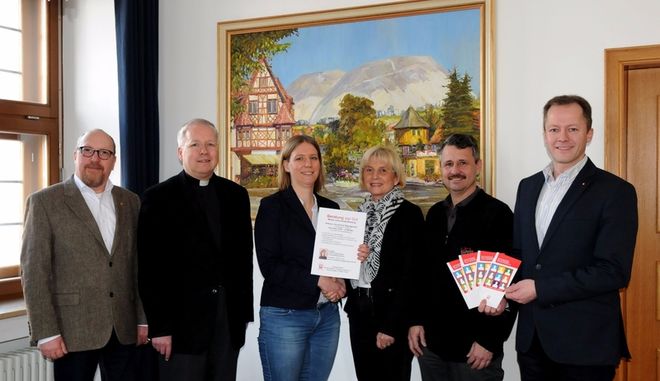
(195,181)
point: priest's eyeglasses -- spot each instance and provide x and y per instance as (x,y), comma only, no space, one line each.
(103,154)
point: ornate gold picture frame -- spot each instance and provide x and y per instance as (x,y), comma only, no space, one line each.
(406,74)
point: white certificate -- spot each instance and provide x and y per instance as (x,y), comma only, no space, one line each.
(339,233)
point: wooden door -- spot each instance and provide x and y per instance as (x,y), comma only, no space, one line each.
(635,154)
(642,308)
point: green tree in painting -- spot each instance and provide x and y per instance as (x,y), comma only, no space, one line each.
(357,130)
(354,109)
(458,105)
(246,51)
(433,116)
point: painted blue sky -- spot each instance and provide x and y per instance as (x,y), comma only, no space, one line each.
(451,38)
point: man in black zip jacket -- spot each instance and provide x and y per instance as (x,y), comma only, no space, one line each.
(451,341)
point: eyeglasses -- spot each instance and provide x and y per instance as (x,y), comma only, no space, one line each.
(104,154)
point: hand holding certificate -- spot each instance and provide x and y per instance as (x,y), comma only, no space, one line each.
(339,233)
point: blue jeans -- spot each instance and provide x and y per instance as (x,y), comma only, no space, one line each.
(298,344)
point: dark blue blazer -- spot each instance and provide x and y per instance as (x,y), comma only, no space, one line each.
(284,240)
(583,262)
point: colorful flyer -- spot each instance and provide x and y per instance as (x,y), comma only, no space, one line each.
(483,275)
(484,259)
(456,271)
(498,277)
(469,265)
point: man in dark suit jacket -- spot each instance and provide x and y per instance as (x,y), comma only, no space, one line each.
(78,261)
(575,227)
(195,263)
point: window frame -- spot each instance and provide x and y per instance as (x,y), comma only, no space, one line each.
(271,105)
(50,109)
(22,117)
(253,107)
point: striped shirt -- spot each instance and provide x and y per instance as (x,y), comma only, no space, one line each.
(552,192)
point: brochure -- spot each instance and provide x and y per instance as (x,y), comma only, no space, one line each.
(483,275)
(498,278)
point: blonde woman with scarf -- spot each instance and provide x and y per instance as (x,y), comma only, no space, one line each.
(376,306)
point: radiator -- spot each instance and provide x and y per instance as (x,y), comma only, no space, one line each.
(25,365)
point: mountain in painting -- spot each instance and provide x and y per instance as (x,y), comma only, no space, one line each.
(393,85)
(308,90)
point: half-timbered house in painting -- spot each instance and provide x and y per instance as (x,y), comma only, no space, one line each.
(263,126)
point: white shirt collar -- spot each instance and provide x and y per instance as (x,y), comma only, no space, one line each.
(102,207)
(84,188)
(570,173)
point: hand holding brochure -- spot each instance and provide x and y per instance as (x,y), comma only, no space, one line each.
(339,233)
(483,275)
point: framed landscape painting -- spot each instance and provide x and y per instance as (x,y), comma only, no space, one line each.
(403,74)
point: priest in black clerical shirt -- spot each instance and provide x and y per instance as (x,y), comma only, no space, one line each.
(195,263)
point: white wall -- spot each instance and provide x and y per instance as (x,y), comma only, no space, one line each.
(546,48)
(543,48)
(89,72)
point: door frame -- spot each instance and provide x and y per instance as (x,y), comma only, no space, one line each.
(618,62)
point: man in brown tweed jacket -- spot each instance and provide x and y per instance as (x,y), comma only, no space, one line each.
(78,260)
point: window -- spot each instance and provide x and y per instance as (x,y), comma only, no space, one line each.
(286,134)
(24,58)
(254,105)
(26,153)
(29,119)
(272,106)
(11,197)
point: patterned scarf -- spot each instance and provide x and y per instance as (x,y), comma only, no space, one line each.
(378,215)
